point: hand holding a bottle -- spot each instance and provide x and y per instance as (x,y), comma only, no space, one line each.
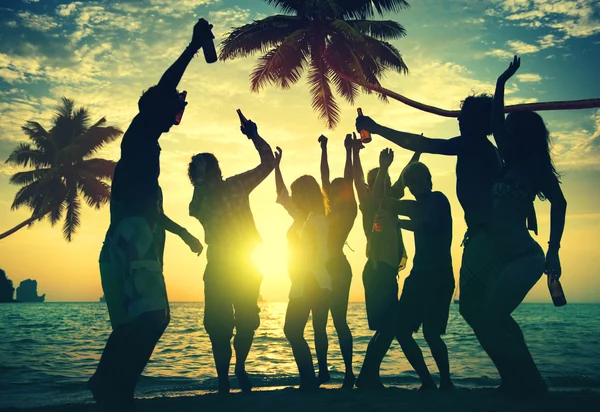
(348,142)
(386,157)
(250,129)
(366,123)
(202,33)
(552,267)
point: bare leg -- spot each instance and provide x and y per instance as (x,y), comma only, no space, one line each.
(242,344)
(320,315)
(440,354)
(296,318)
(415,357)
(339,310)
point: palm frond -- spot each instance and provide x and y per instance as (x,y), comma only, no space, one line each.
(259,36)
(64,109)
(361,9)
(25,155)
(379,29)
(287,6)
(95,192)
(90,142)
(56,214)
(72,217)
(386,55)
(281,65)
(319,80)
(81,121)
(99,168)
(26,195)
(347,31)
(25,178)
(347,89)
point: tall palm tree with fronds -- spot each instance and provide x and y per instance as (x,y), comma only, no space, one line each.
(63,170)
(336,44)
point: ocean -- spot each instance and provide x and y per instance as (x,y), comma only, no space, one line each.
(49,350)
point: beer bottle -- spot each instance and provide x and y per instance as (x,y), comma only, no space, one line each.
(365,136)
(243,121)
(556,291)
(210,53)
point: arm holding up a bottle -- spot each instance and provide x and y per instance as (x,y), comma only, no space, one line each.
(202,33)
(252,178)
(410,141)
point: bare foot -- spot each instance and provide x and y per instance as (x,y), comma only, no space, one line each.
(324,376)
(349,381)
(244,381)
(446,386)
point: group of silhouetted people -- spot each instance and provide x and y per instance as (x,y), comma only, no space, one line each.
(501,262)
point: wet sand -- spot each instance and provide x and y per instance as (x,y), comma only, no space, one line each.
(337,400)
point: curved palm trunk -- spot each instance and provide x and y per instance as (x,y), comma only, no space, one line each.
(558,105)
(22,225)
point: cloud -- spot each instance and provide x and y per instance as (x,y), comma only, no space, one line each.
(578,148)
(520,47)
(572,18)
(529,78)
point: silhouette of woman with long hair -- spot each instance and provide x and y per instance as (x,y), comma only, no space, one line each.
(341,216)
(386,256)
(524,144)
(307,260)
(478,166)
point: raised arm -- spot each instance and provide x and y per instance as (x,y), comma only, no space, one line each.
(357,171)
(386,157)
(348,165)
(202,31)
(398,187)
(325,182)
(498,126)
(558,210)
(283,196)
(252,178)
(410,141)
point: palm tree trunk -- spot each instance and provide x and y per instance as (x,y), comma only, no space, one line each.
(22,225)
(541,106)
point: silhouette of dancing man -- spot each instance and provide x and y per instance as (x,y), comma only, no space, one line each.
(131,260)
(428,290)
(341,216)
(478,166)
(231,280)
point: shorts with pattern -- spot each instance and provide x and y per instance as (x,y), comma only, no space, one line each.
(131,271)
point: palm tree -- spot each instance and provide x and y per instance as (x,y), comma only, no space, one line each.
(336,44)
(62,168)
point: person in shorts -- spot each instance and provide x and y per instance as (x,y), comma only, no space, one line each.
(428,290)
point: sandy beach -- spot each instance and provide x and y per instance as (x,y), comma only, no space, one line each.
(332,399)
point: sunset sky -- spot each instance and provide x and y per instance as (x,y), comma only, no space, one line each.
(105,53)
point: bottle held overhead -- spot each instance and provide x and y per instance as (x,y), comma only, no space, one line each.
(365,135)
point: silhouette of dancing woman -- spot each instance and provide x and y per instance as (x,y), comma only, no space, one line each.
(385,257)
(341,216)
(131,260)
(307,260)
(428,289)
(231,279)
(478,166)
(524,144)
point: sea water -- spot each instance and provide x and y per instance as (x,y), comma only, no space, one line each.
(49,350)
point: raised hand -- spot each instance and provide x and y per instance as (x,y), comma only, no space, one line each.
(323,141)
(386,157)
(250,129)
(202,32)
(348,142)
(278,155)
(512,69)
(357,144)
(365,123)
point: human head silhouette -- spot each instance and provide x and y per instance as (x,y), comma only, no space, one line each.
(474,117)
(372,175)
(417,178)
(307,195)
(204,168)
(161,106)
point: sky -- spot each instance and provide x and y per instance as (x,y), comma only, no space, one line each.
(105,53)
